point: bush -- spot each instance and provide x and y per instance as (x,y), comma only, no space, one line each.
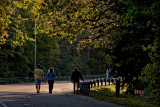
(150,77)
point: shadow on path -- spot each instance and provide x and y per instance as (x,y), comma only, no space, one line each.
(12,99)
(24,95)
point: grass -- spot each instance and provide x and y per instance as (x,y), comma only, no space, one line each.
(107,93)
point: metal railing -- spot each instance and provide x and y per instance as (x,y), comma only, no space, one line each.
(32,79)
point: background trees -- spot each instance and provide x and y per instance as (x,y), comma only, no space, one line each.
(134,42)
(91,34)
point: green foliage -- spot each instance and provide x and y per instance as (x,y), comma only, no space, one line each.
(17,53)
(91,34)
(152,95)
(107,93)
(136,46)
(150,79)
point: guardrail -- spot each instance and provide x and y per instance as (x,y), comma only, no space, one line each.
(31,79)
(85,86)
(16,80)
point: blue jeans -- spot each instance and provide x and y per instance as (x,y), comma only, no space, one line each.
(50,82)
(38,81)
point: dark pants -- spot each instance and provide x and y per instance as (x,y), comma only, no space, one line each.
(75,86)
(50,82)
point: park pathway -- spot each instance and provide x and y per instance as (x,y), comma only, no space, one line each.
(24,95)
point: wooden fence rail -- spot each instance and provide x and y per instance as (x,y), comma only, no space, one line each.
(85,87)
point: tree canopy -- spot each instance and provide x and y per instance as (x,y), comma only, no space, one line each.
(93,35)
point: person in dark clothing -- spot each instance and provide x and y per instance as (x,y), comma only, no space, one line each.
(50,76)
(76,75)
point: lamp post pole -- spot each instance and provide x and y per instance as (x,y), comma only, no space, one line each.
(36,45)
(35,48)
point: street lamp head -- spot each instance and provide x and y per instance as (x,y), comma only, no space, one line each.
(49,21)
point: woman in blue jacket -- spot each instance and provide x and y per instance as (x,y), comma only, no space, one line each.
(50,76)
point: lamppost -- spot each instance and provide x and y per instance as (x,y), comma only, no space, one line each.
(35,46)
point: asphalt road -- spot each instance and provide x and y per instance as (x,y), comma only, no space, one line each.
(24,95)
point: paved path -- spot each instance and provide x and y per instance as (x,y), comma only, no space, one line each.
(24,95)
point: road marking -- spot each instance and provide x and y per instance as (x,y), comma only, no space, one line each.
(26,104)
(29,97)
(3,104)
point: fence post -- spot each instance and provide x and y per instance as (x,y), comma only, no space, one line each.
(112,80)
(94,82)
(101,82)
(105,80)
(89,88)
(91,82)
(109,80)
(97,82)
(117,87)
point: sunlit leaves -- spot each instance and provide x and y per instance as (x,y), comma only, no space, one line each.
(74,17)
(4,21)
